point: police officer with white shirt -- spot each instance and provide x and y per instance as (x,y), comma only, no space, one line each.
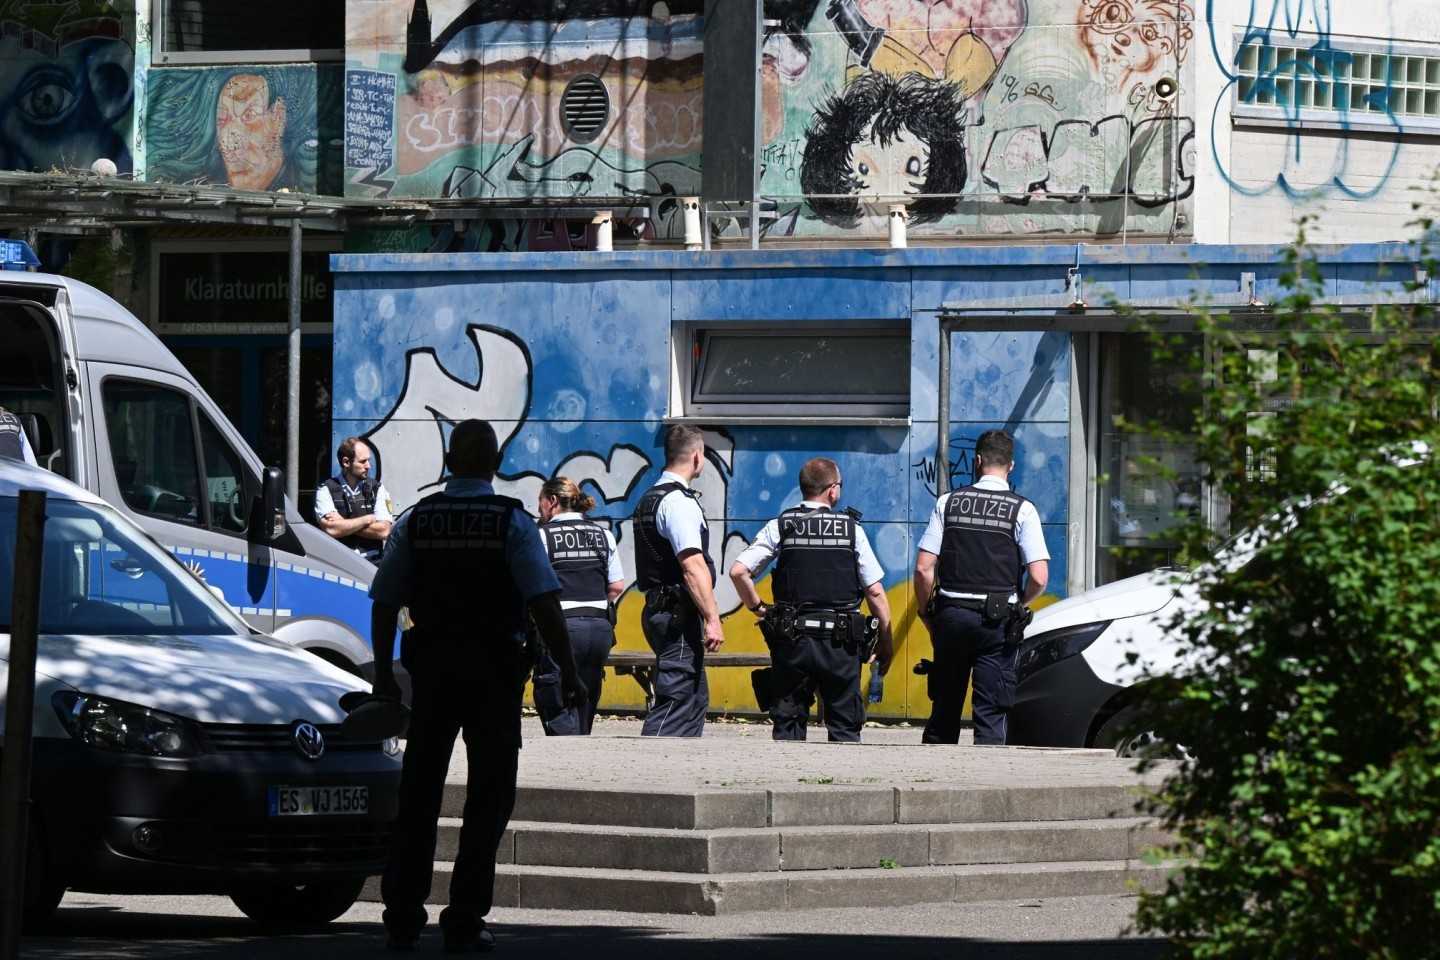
(681,619)
(823,566)
(981,559)
(587,561)
(352,507)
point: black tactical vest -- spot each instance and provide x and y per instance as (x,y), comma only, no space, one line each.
(655,562)
(581,558)
(816,562)
(980,550)
(10,434)
(461,586)
(350,505)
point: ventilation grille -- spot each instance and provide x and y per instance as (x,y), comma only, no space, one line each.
(584,108)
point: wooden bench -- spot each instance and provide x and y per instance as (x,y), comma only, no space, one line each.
(640,664)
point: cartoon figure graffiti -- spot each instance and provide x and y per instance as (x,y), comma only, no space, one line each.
(1126,39)
(885,139)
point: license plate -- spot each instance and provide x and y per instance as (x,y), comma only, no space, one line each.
(318,801)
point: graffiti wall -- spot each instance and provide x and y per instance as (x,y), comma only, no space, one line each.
(66,84)
(518,99)
(574,369)
(981,117)
(250,127)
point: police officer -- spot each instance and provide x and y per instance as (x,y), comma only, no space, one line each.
(673,568)
(468,564)
(352,507)
(13,442)
(587,562)
(823,565)
(981,558)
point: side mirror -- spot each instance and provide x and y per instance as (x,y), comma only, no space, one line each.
(272,524)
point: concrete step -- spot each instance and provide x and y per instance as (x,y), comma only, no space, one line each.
(580,888)
(813,848)
(810,805)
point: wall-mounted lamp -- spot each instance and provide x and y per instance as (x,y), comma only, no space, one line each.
(1166,88)
(898,215)
(604,231)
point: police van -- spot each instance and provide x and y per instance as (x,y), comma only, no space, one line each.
(106,405)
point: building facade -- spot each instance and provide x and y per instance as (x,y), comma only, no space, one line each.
(1048,160)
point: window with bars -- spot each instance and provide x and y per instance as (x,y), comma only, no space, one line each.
(255,31)
(1358,83)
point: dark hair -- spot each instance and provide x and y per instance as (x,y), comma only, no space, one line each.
(347,449)
(929,109)
(568,493)
(816,476)
(996,447)
(681,441)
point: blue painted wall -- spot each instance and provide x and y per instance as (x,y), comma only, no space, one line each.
(571,358)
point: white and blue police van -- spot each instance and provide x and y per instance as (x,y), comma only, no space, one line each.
(106,405)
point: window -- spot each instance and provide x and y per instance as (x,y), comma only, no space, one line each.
(1357,84)
(798,371)
(152,434)
(256,31)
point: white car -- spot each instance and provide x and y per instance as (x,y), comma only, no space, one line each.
(175,750)
(1075,679)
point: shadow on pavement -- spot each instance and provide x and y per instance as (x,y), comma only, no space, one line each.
(104,933)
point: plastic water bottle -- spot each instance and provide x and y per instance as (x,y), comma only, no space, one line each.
(877,683)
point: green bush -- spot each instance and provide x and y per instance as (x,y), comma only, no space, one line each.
(1310,695)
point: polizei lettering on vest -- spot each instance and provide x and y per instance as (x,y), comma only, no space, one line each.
(980,505)
(819,526)
(577,539)
(480,523)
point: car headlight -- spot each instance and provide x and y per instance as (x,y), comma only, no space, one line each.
(116,725)
(1040,651)
(391,746)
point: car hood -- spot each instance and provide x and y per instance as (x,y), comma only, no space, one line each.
(213,679)
(1133,597)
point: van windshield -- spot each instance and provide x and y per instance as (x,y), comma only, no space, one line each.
(101,575)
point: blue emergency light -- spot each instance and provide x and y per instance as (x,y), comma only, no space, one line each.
(17,255)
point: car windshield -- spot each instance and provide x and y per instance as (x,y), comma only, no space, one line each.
(100,574)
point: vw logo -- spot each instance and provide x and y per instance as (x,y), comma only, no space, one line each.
(309,742)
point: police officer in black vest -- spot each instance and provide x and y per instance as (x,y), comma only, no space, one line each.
(823,566)
(981,558)
(352,507)
(586,560)
(673,569)
(468,564)
(13,442)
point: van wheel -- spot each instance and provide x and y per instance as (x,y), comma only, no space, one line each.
(303,905)
(1130,734)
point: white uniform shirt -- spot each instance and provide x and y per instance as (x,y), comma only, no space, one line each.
(680,519)
(766,546)
(1028,532)
(325,503)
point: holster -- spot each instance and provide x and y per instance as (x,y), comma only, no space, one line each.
(1020,618)
(868,636)
(667,599)
(778,625)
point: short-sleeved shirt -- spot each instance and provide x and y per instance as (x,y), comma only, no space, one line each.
(766,546)
(1028,532)
(524,552)
(680,519)
(325,503)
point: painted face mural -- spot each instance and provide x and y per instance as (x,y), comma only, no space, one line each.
(1125,38)
(66,88)
(249,132)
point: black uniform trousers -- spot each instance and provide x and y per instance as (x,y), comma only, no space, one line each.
(591,639)
(682,694)
(966,645)
(457,686)
(805,665)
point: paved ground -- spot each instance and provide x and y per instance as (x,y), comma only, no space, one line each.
(91,927)
(733,754)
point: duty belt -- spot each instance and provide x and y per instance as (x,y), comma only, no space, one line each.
(823,623)
(601,612)
(668,597)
